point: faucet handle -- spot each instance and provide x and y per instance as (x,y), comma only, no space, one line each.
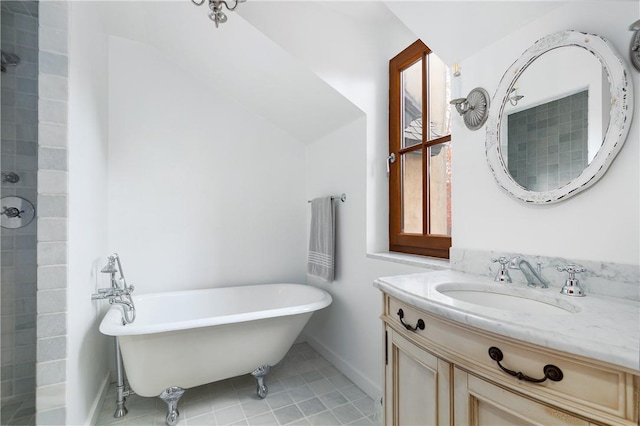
(572,269)
(501,260)
(503,274)
(572,284)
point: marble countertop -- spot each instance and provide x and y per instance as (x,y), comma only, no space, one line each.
(599,327)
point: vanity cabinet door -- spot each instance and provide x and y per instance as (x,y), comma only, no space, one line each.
(417,385)
(479,403)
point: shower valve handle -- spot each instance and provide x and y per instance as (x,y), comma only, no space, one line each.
(11,212)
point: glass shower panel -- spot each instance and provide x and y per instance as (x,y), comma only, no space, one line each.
(18,158)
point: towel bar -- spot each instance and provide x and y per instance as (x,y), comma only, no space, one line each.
(342,197)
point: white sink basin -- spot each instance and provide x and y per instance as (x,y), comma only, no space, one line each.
(507,299)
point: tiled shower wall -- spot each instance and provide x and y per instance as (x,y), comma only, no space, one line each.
(551,147)
(19,154)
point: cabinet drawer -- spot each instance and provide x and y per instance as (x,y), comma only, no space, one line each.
(587,388)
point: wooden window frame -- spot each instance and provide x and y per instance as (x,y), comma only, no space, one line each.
(421,244)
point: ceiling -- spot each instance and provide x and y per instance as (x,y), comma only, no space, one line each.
(245,64)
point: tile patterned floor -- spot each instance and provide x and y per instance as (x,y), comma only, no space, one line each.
(304,389)
(20,410)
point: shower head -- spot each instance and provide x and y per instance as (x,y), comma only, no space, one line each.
(110,268)
(7,59)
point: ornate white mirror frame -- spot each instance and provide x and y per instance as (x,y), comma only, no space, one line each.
(620,116)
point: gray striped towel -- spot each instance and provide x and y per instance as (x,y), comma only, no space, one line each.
(321,261)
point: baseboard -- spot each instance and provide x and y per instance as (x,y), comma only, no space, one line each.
(94,413)
(369,387)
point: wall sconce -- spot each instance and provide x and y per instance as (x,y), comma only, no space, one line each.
(474,109)
(514,97)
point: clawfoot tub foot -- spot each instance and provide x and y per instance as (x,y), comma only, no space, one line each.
(259,374)
(171,396)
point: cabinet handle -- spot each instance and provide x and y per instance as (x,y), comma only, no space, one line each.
(551,372)
(419,324)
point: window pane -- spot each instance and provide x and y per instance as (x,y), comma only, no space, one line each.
(412,104)
(439,96)
(440,189)
(412,192)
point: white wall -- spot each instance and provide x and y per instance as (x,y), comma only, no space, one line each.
(349,331)
(88,357)
(202,192)
(352,55)
(599,224)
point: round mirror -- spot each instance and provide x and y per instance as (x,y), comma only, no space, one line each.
(560,115)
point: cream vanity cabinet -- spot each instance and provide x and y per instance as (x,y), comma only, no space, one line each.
(443,375)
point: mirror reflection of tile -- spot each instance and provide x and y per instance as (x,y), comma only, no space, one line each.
(548,143)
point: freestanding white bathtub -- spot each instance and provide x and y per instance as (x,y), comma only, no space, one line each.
(189,338)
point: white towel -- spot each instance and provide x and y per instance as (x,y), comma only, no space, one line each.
(321,261)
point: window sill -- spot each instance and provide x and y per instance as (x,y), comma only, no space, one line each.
(411,259)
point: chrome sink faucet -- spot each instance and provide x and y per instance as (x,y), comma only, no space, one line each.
(119,292)
(517,262)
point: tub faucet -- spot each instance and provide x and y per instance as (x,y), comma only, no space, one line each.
(117,294)
(516,262)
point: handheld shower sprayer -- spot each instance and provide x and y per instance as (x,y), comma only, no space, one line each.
(117,294)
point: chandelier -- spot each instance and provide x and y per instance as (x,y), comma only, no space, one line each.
(216,14)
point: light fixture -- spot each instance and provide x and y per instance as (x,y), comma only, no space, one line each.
(514,97)
(474,109)
(216,14)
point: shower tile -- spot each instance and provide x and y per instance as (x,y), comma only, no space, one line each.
(26,38)
(53,87)
(50,277)
(25,242)
(27,148)
(26,133)
(52,111)
(52,134)
(26,290)
(49,373)
(53,63)
(52,206)
(51,325)
(53,417)
(24,322)
(52,253)
(52,301)
(52,229)
(53,40)
(25,353)
(27,85)
(23,338)
(25,163)
(25,257)
(52,158)
(24,386)
(49,397)
(26,23)
(53,14)
(51,349)
(6,372)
